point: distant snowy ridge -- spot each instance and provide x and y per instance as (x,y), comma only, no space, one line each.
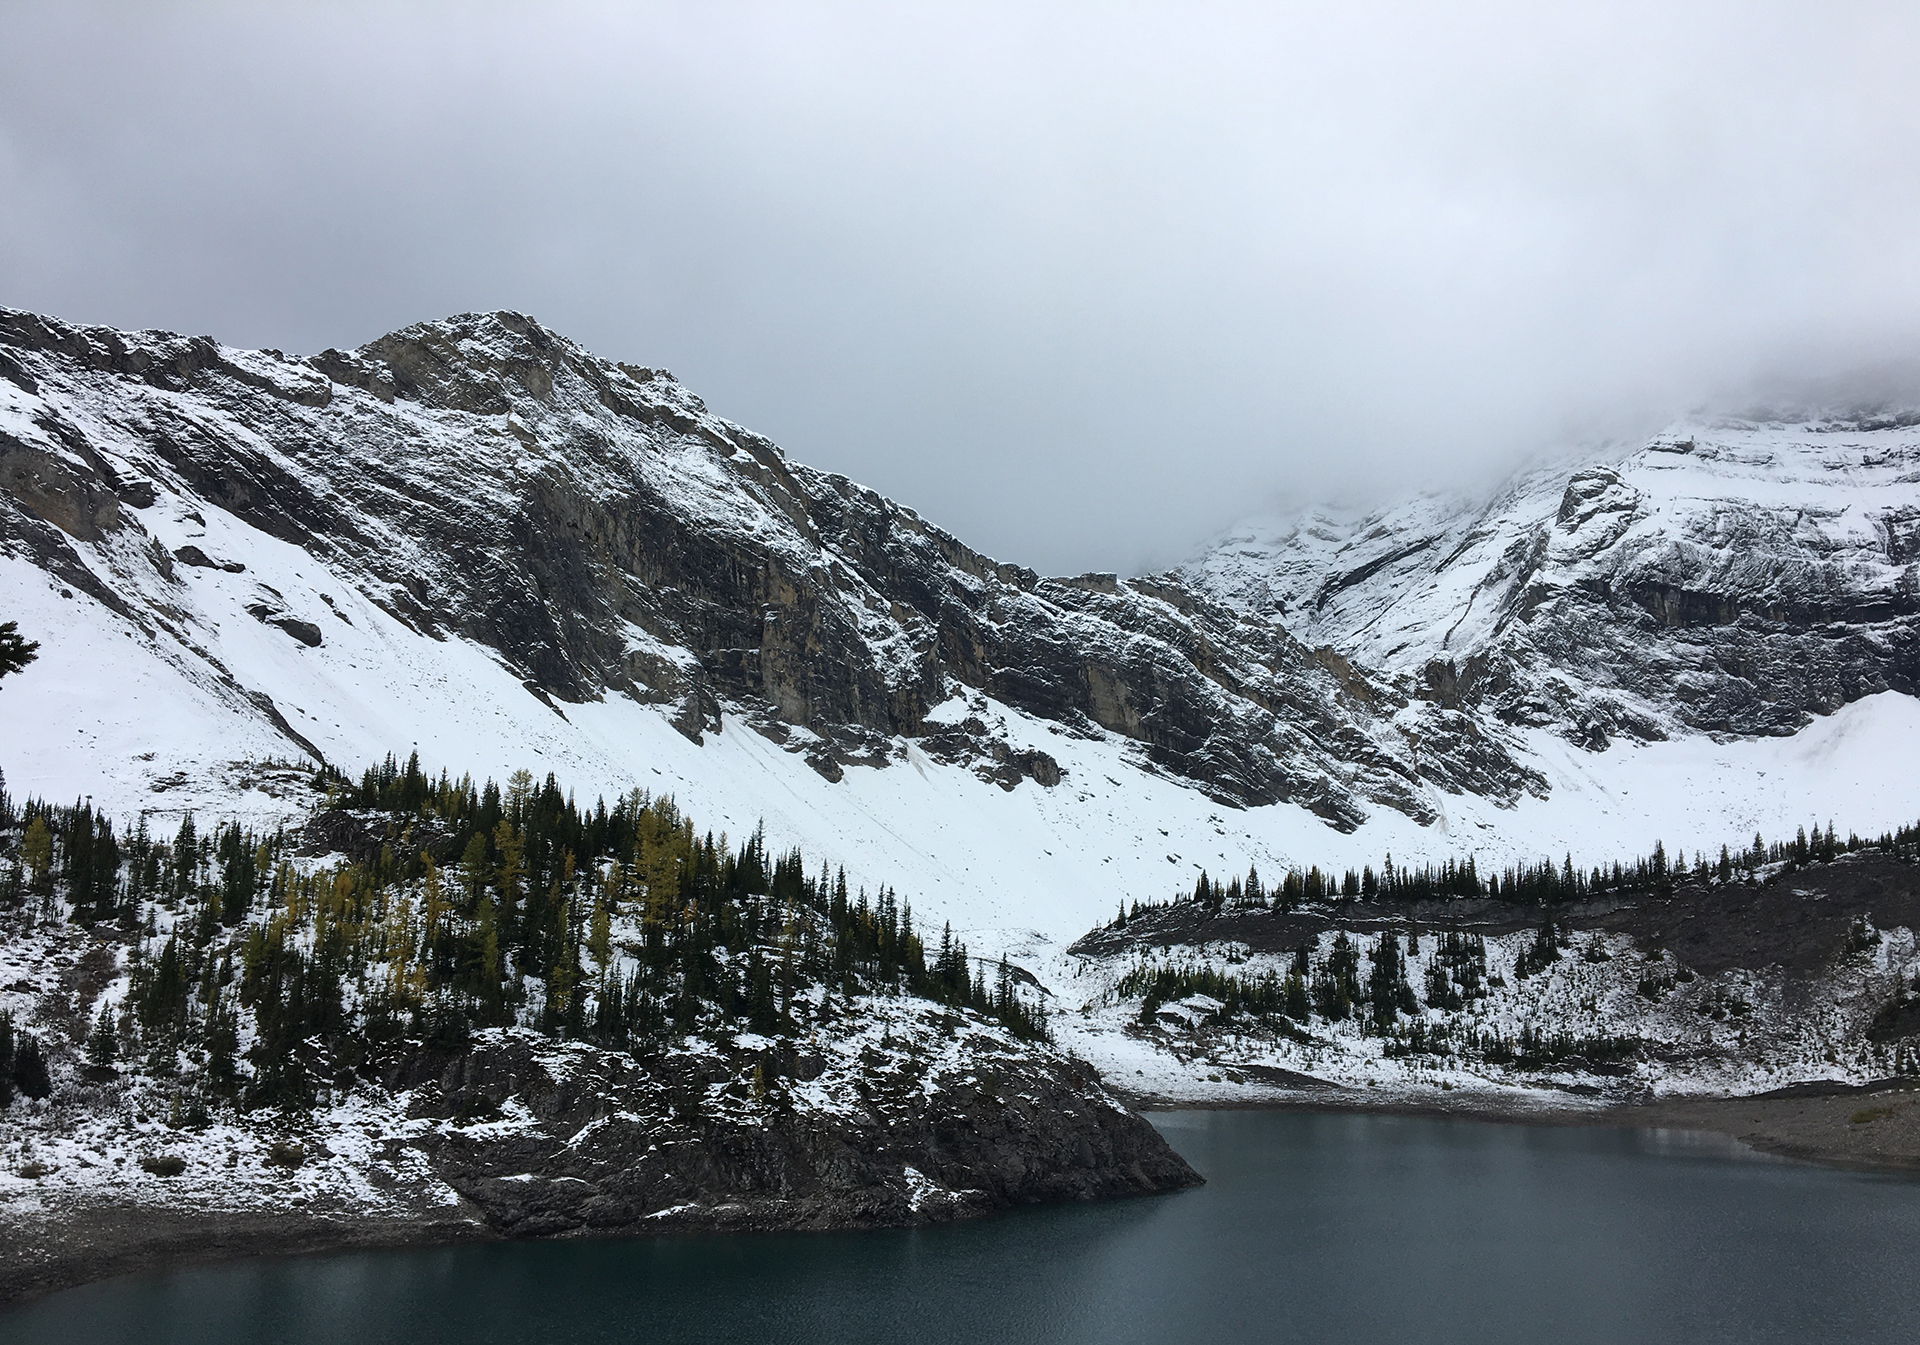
(1727,577)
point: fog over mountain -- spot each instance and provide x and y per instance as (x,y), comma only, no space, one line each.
(1083,285)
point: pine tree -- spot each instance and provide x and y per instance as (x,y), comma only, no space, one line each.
(223,1047)
(600,940)
(1294,998)
(1544,951)
(238,877)
(16,651)
(1387,987)
(30,1069)
(473,867)
(36,848)
(186,861)
(102,1047)
(78,863)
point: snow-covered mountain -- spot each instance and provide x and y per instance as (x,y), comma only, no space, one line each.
(475,539)
(1730,576)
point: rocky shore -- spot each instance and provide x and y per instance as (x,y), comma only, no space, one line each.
(912,1114)
(1873,1127)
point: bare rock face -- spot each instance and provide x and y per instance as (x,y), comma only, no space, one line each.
(775,1138)
(599,531)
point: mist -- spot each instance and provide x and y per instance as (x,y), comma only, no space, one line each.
(1082,284)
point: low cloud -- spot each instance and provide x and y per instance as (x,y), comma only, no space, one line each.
(1082,284)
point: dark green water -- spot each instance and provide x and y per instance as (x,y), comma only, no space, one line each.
(1313,1228)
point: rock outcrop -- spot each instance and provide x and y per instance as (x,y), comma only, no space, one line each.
(745,1139)
(906,1113)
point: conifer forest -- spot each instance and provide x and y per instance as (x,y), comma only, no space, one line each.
(258,977)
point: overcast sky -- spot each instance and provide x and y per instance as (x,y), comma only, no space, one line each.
(1082,284)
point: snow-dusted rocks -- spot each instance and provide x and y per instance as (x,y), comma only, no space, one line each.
(1794,979)
(1731,576)
(904,1113)
(592,532)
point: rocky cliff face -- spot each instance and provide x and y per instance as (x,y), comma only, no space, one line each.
(1731,577)
(896,1129)
(593,528)
(477,523)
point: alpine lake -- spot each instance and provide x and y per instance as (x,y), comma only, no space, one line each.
(1312,1227)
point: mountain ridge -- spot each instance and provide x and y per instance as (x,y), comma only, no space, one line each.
(615,527)
(474,538)
(1728,576)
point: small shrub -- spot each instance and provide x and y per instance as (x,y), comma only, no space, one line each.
(164,1165)
(1861,937)
(283,1154)
(34,1170)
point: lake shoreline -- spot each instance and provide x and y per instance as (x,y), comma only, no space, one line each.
(104,1242)
(1606,1235)
(79,1243)
(1809,1123)
(1812,1125)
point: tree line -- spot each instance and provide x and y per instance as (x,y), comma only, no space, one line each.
(1385,1002)
(1546,882)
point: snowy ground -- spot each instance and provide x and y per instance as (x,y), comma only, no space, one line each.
(1761,1044)
(1025,870)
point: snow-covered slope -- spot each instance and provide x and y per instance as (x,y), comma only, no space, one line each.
(1729,576)
(474,539)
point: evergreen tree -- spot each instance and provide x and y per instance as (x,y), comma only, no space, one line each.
(36,848)
(1294,998)
(1543,952)
(1387,989)
(16,651)
(1336,986)
(78,868)
(30,1069)
(185,864)
(102,1046)
(238,876)
(223,1046)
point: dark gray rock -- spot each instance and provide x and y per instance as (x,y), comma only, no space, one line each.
(604,534)
(691,1140)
